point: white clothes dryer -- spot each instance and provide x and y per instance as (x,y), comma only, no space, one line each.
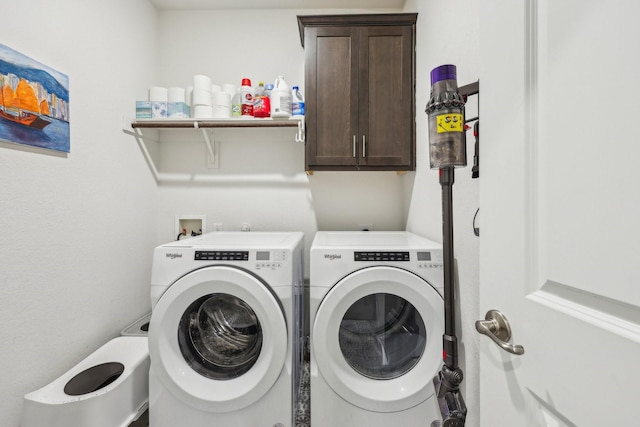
(376,312)
(224,331)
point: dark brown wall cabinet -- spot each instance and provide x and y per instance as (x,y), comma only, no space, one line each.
(359,91)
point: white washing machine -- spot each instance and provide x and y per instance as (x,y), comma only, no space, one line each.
(376,311)
(224,331)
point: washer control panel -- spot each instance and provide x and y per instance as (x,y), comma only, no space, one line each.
(221,256)
(264,260)
(270,259)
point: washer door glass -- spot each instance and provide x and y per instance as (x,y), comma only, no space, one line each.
(382,336)
(220,336)
(219,339)
(370,338)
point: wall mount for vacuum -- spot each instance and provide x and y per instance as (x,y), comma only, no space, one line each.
(466,91)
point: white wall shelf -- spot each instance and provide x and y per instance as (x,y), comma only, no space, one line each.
(206,126)
(221,123)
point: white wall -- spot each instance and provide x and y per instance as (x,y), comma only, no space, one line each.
(447,33)
(261,179)
(78,229)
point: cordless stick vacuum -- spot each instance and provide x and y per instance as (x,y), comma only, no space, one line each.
(447,150)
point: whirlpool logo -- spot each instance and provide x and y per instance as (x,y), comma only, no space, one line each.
(173,256)
(332,257)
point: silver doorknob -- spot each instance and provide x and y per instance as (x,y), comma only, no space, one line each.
(496,327)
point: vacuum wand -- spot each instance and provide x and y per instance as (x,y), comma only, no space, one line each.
(447,150)
(449,339)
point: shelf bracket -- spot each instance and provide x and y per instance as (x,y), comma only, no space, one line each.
(300,135)
(210,142)
(138,136)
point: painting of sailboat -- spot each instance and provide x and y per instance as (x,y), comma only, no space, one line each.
(34,102)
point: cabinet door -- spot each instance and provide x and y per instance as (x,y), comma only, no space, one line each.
(386,98)
(332,97)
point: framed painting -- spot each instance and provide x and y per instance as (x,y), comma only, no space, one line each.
(34,102)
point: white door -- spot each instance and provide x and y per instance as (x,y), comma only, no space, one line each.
(560,201)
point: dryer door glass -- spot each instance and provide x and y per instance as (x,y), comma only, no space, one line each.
(382,336)
(220,336)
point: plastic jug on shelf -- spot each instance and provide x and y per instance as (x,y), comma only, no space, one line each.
(247,98)
(261,104)
(297,102)
(280,99)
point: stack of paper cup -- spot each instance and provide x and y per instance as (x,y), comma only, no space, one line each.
(221,105)
(158,96)
(201,97)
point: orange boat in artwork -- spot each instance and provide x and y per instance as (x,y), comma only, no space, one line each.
(25,118)
(20,106)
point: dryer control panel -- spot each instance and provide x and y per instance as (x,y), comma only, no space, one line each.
(430,259)
(421,259)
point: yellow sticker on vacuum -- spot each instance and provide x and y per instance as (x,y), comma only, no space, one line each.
(450,123)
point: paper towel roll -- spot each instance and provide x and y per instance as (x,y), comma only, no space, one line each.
(201,97)
(230,88)
(221,99)
(215,88)
(176,94)
(158,94)
(202,112)
(189,96)
(202,82)
(221,112)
